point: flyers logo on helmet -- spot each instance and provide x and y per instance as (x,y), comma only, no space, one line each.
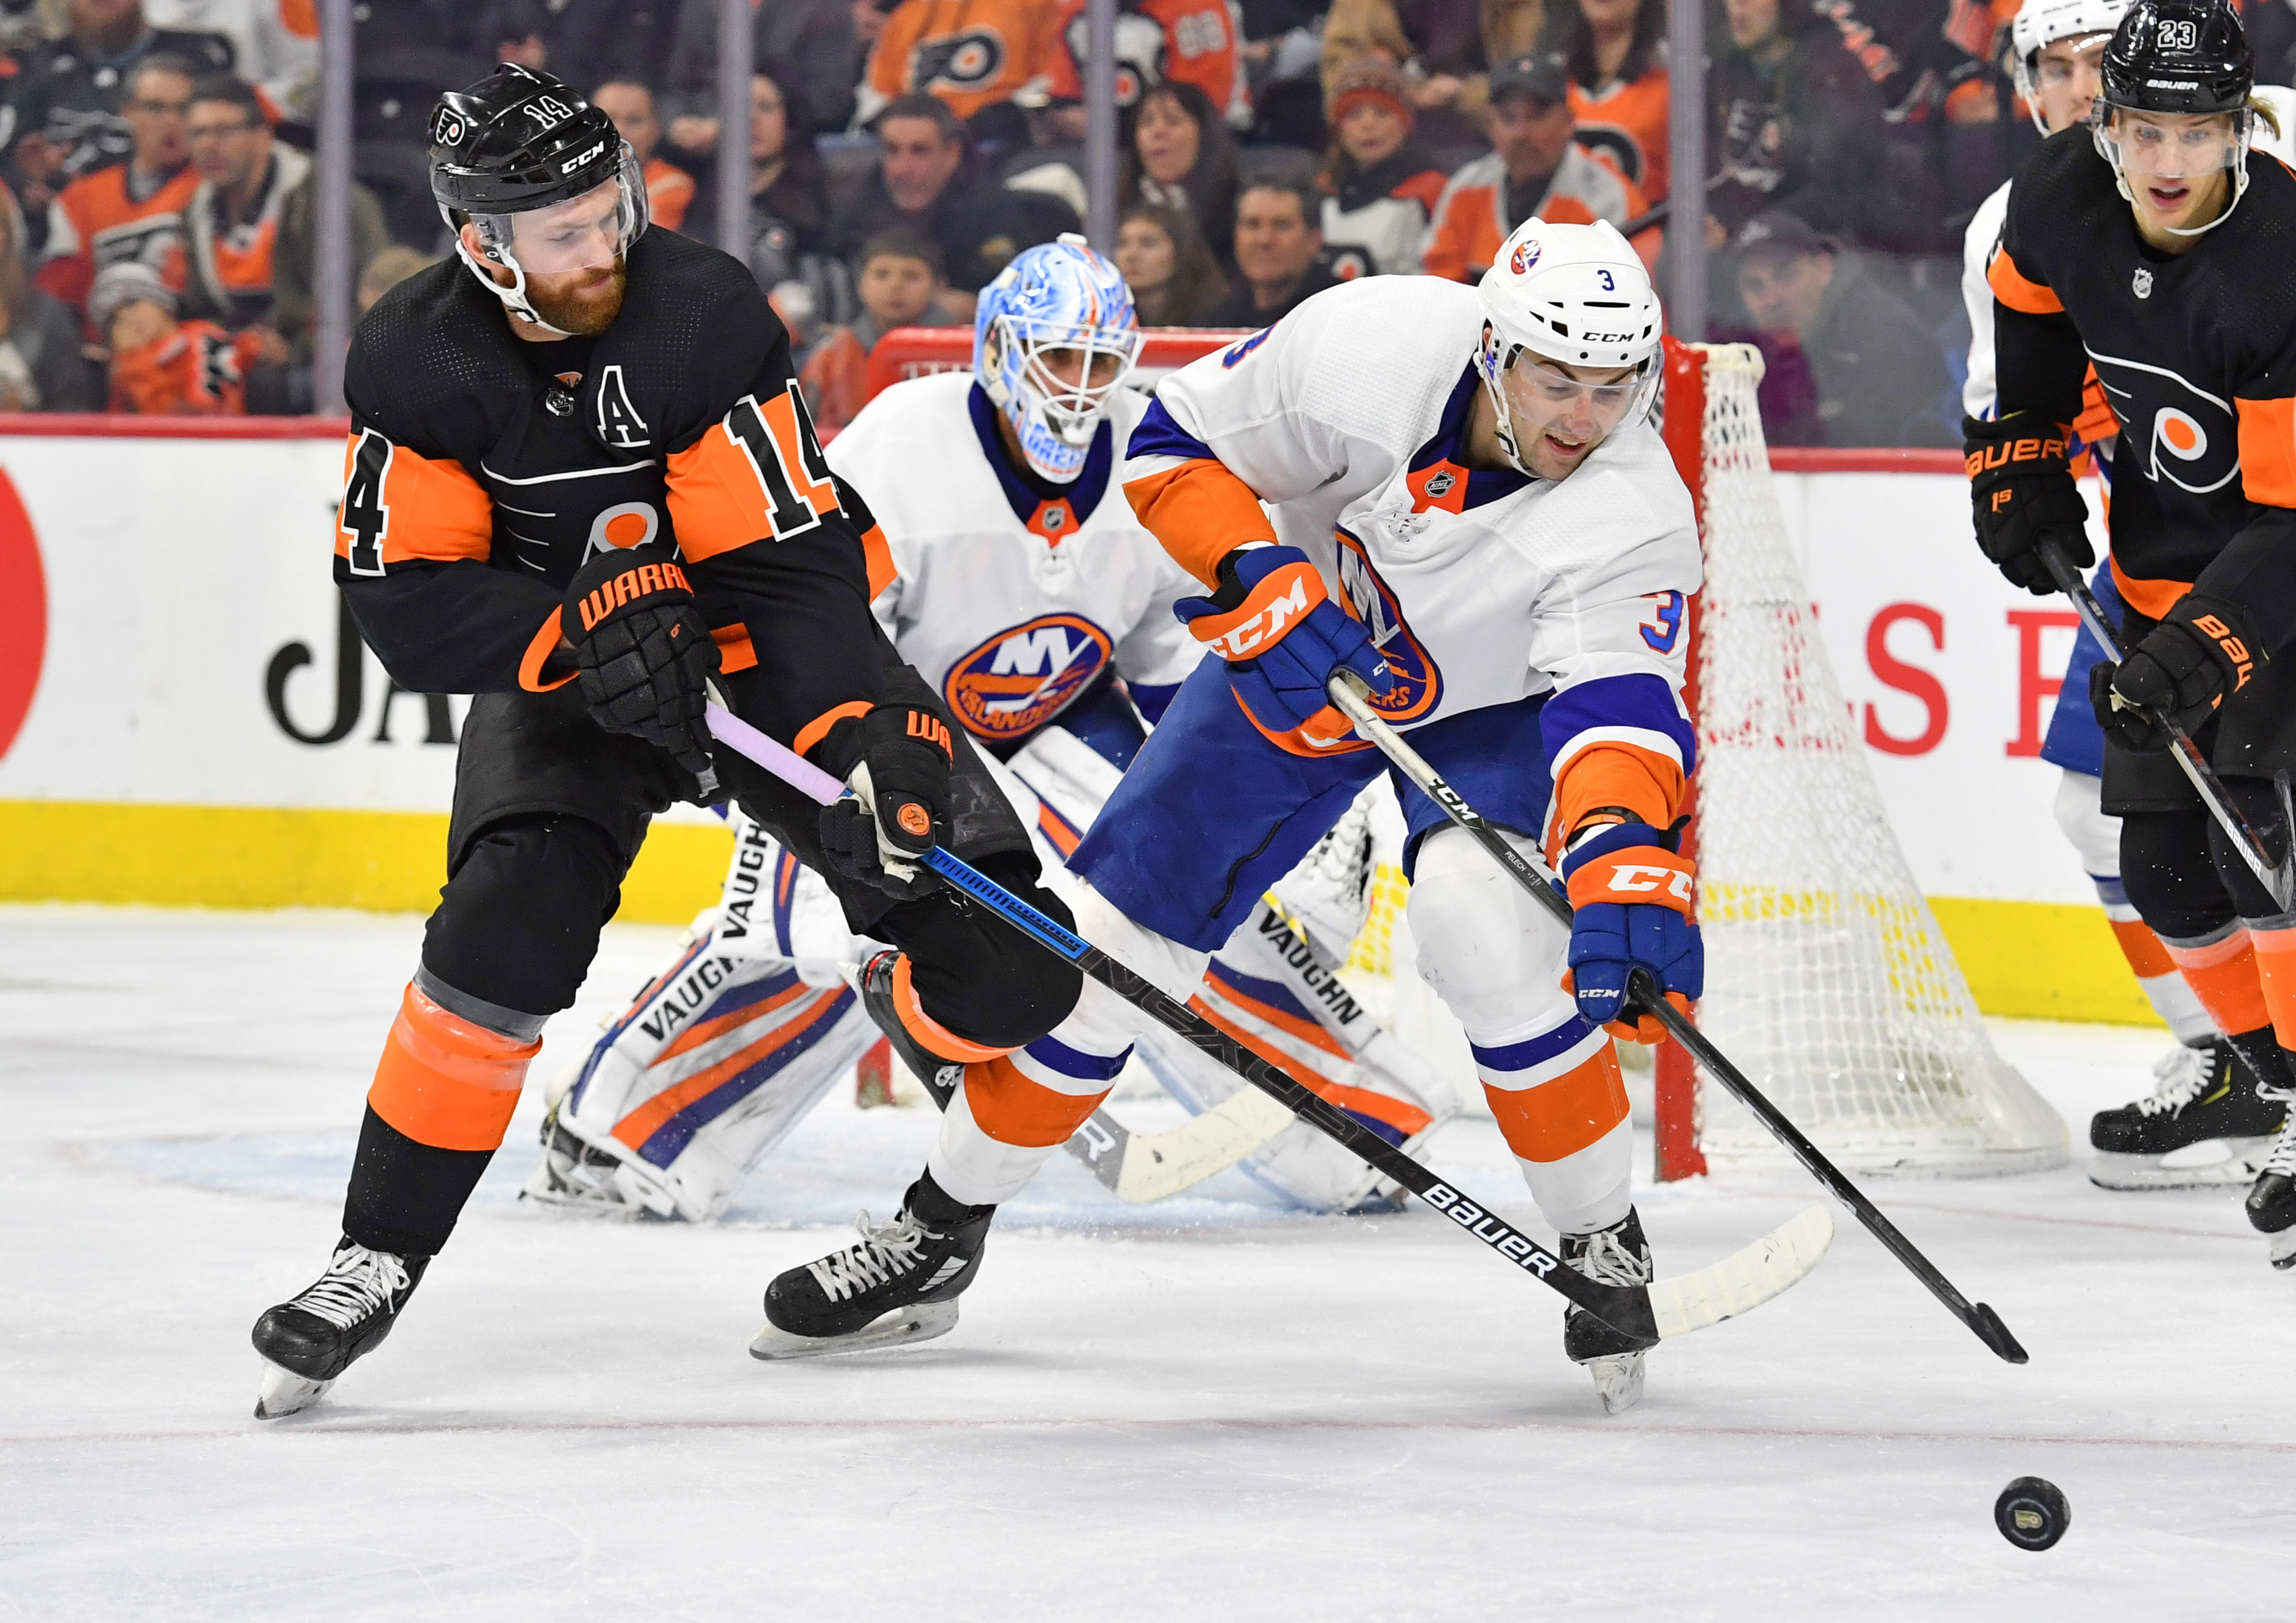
(1023,676)
(1418,683)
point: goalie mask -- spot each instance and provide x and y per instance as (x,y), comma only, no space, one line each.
(2041,24)
(1052,339)
(1574,294)
(2178,59)
(546,179)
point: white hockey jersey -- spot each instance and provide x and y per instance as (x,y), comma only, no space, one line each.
(1010,616)
(1348,419)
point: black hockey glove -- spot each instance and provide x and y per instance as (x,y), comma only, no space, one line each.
(2183,669)
(2021,486)
(641,651)
(897,759)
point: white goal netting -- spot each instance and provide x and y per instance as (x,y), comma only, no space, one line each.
(1828,981)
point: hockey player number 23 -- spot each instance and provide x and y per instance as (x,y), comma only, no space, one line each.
(365,516)
(778,437)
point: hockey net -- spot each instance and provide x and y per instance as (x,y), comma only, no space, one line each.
(1828,980)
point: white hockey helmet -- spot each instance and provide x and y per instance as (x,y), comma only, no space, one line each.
(2041,24)
(1577,294)
(1061,296)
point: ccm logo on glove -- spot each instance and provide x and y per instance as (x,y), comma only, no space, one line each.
(628,587)
(1635,878)
(1276,600)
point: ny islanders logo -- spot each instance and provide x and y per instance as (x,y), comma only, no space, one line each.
(1021,679)
(1418,685)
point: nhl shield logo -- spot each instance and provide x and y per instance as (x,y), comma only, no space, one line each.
(2141,284)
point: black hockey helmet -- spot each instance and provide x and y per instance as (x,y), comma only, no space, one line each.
(518,140)
(2179,56)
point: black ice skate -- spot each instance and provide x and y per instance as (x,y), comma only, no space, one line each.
(2206,1096)
(2272,1202)
(1618,1255)
(874,982)
(899,1284)
(308,1341)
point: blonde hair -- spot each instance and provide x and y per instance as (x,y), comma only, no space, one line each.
(2263,111)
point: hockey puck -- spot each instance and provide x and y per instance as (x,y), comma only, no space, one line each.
(2031,1513)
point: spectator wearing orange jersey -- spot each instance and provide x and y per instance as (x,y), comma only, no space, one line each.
(160,365)
(1535,169)
(670,190)
(132,211)
(1610,53)
(1380,186)
(1158,41)
(971,54)
(901,279)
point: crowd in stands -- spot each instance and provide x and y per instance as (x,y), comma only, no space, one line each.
(157,233)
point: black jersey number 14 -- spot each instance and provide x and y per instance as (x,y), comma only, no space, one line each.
(778,436)
(365,516)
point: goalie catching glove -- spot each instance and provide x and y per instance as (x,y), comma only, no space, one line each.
(1630,896)
(897,761)
(641,651)
(1283,637)
(2195,656)
(2021,486)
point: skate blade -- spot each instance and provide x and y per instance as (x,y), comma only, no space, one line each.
(2284,1248)
(918,1322)
(1618,1381)
(284,1392)
(2133,1174)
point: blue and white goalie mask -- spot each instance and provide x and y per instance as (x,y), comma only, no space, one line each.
(1052,339)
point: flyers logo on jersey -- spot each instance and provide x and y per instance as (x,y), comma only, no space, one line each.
(960,61)
(1418,683)
(1021,679)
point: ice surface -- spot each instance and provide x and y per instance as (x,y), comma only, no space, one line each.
(1207,1409)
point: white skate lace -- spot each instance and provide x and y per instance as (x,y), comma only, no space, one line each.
(1608,1262)
(887,1251)
(356,1283)
(2183,1073)
(2282,1157)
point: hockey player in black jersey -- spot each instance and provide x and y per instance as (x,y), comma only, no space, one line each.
(2155,244)
(580,483)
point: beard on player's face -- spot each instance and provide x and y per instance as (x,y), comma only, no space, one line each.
(583,303)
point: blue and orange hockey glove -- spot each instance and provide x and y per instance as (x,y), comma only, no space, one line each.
(1631,895)
(1282,636)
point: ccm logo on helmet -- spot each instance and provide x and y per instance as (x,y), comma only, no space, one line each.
(1606,338)
(572,164)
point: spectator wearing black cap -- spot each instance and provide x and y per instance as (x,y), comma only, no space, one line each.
(924,180)
(1846,362)
(1535,169)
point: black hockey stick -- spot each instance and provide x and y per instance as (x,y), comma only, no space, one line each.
(1665,1307)
(2278,878)
(1643,993)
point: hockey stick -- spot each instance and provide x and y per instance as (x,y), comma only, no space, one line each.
(1644,993)
(2278,878)
(1664,1308)
(1137,1166)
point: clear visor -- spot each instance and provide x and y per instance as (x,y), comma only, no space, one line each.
(1072,374)
(2169,146)
(581,233)
(1540,395)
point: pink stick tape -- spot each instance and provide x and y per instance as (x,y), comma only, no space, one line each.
(784,763)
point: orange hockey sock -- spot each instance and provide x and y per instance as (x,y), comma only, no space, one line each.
(2275,970)
(2224,974)
(446,1082)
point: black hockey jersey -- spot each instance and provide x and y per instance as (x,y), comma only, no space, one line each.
(483,469)
(2196,353)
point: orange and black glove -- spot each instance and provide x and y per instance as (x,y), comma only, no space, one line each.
(641,651)
(897,760)
(2182,671)
(2022,491)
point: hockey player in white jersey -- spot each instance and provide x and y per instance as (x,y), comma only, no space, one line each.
(2204,1094)
(1027,592)
(1467,507)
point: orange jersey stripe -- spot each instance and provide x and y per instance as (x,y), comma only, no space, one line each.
(2150,598)
(1201,512)
(1562,1116)
(643,1122)
(878,555)
(735,652)
(1617,774)
(445,1082)
(531,664)
(2268,451)
(1013,1110)
(432,510)
(2013,288)
(817,729)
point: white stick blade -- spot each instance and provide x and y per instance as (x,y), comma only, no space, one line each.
(1744,1281)
(1158,1164)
